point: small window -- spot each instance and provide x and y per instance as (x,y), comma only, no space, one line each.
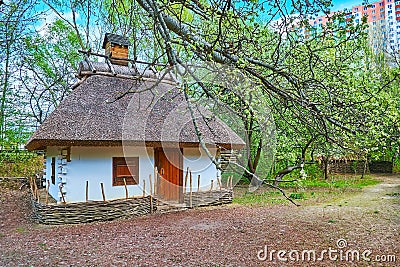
(53,170)
(125,168)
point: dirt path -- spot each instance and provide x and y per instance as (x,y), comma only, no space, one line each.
(224,236)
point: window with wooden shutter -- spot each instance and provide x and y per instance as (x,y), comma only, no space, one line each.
(125,168)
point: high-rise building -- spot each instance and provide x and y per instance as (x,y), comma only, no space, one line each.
(383,18)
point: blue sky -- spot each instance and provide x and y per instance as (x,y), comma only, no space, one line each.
(341,4)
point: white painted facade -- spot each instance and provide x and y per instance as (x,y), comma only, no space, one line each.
(94,164)
(199,164)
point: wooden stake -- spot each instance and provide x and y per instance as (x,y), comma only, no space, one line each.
(62,195)
(126,189)
(198,183)
(155,184)
(31,185)
(47,192)
(156,181)
(144,187)
(227,182)
(151,184)
(87,191)
(186,178)
(35,189)
(219,183)
(102,192)
(151,194)
(212,185)
(191,191)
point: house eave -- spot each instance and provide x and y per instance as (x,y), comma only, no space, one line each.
(41,144)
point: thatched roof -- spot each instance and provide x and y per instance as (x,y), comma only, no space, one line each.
(109,109)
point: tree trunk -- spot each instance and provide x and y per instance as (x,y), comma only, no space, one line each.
(326,167)
(365,168)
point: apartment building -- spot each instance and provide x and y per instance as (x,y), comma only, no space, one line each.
(383,18)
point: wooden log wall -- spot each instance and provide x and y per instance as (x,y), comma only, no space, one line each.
(84,212)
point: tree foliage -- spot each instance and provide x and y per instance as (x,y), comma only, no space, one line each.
(327,92)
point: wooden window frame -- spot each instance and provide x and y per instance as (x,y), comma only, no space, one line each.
(132,165)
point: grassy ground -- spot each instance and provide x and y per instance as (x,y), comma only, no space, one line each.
(305,191)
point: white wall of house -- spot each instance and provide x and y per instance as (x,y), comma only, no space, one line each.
(199,163)
(94,164)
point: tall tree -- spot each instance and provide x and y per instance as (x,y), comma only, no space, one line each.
(16,18)
(309,75)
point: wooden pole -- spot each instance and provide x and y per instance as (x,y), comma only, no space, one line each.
(151,194)
(151,184)
(198,183)
(126,189)
(191,191)
(144,187)
(231,182)
(87,191)
(219,183)
(186,178)
(155,184)
(227,182)
(31,185)
(36,189)
(212,185)
(158,179)
(102,191)
(47,192)
(62,195)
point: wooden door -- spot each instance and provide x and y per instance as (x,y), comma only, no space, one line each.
(169,163)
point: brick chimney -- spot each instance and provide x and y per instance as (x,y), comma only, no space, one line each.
(116,46)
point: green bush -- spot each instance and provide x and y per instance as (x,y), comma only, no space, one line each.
(26,167)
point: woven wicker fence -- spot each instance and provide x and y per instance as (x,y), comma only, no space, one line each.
(83,212)
(208,198)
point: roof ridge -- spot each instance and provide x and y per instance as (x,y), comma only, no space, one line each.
(101,68)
